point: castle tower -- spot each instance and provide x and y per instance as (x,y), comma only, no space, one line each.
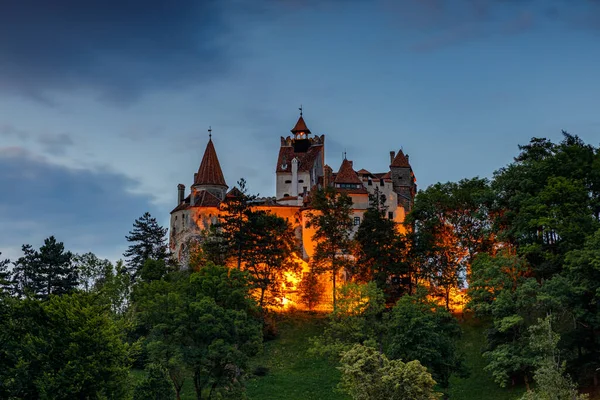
(209,177)
(299,164)
(403,179)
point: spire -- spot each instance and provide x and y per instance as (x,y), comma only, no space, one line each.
(400,160)
(300,128)
(210,172)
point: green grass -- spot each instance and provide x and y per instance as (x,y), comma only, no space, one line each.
(293,373)
(480,384)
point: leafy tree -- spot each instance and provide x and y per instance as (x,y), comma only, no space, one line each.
(156,385)
(356,319)
(331,218)
(91,269)
(310,289)
(547,200)
(368,375)
(551,381)
(47,271)
(148,241)
(419,329)
(202,321)
(270,244)
(451,226)
(63,348)
(379,247)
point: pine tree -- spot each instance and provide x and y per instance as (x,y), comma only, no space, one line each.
(379,250)
(147,240)
(47,271)
(5,281)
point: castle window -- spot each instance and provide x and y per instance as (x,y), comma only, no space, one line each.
(286,195)
(370,183)
(356,221)
(381,182)
(390,215)
(288,181)
(301,181)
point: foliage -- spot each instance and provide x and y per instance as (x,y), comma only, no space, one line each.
(148,241)
(92,270)
(5,277)
(270,245)
(368,375)
(551,381)
(356,319)
(62,348)
(311,290)
(451,226)
(331,218)
(155,386)
(45,272)
(229,238)
(419,329)
(379,248)
(202,321)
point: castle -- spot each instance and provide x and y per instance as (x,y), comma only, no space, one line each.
(300,169)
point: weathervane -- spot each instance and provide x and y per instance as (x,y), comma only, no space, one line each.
(209,132)
(300,109)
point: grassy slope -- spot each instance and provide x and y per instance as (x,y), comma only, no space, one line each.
(480,384)
(293,373)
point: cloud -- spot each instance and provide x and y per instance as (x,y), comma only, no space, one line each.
(116,48)
(56,144)
(87,210)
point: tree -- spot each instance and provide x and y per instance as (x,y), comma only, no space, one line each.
(91,269)
(203,321)
(229,238)
(451,226)
(379,247)
(356,319)
(331,218)
(311,290)
(155,386)
(551,381)
(419,329)
(63,348)
(5,278)
(270,245)
(368,375)
(47,271)
(148,241)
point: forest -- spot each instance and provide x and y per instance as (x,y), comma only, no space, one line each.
(518,252)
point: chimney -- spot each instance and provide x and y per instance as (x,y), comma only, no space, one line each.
(180,193)
(392,155)
(407,158)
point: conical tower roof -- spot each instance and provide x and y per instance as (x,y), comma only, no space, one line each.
(346,174)
(400,160)
(210,172)
(300,126)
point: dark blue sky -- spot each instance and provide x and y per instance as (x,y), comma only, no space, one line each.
(104,105)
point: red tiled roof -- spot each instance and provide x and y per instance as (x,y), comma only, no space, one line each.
(363,172)
(206,199)
(300,126)
(360,190)
(210,172)
(306,160)
(233,193)
(400,160)
(346,174)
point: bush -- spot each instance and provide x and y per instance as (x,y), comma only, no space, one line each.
(156,385)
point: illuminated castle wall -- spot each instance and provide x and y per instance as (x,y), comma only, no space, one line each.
(300,169)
